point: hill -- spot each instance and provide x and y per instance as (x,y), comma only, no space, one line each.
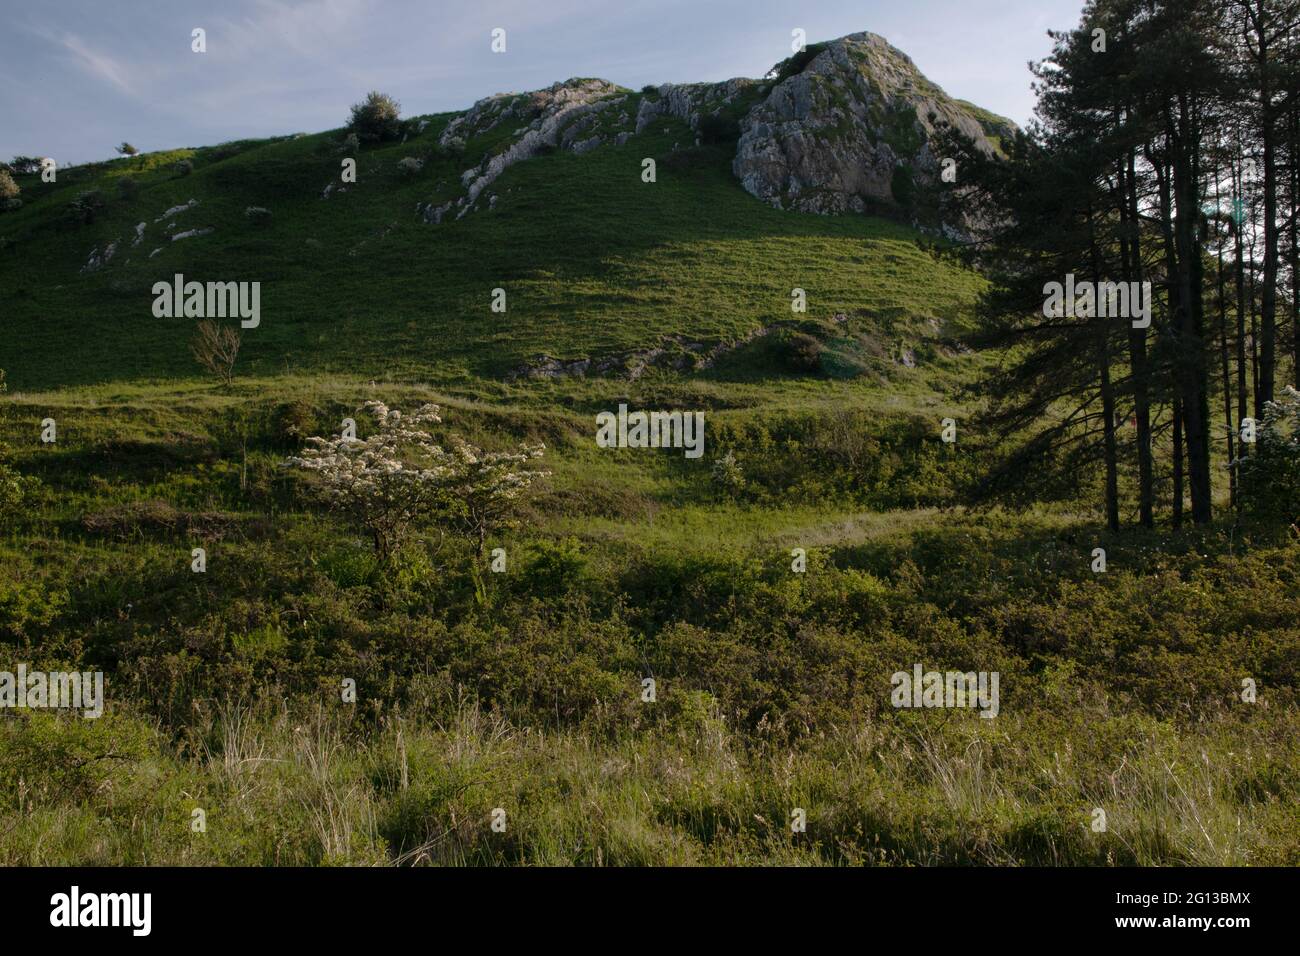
(770,590)
(538,194)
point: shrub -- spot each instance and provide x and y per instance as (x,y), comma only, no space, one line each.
(409,165)
(1270,477)
(388,482)
(128,187)
(376,118)
(26,165)
(292,422)
(398,477)
(27,606)
(83,210)
(727,475)
(184,167)
(350,143)
(225,150)
(556,568)
(794,65)
(802,353)
(216,347)
(15,488)
(126,149)
(8,188)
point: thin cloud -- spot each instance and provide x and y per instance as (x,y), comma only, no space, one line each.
(97,64)
(308,29)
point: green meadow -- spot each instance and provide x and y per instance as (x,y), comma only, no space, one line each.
(1120,691)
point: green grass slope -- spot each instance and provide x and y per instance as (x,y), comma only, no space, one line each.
(593,260)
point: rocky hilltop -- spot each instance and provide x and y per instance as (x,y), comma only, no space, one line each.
(854,125)
(845,126)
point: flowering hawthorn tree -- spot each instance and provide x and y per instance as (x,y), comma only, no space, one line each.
(387,482)
(400,476)
(488,486)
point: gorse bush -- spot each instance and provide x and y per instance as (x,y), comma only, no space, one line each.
(557,568)
(84,209)
(9,189)
(376,118)
(802,352)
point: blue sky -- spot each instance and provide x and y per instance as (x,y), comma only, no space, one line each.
(79,76)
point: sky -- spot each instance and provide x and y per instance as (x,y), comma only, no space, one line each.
(77,77)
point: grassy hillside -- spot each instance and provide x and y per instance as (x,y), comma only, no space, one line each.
(1120,690)
(593,260)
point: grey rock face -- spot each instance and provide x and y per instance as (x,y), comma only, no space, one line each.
(690,101)
(98,260)
(191,234)
(831,138)
(556,111)
(177,209)
(854,130)
(434,213)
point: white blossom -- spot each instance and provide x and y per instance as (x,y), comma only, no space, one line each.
(400,475)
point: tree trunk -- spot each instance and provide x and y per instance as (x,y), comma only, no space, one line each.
(1107,397)
(1295,248)
(1190,351)
(1239,222)
(1137,345)
(1179,194)
(1223,356)
(1178,464)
